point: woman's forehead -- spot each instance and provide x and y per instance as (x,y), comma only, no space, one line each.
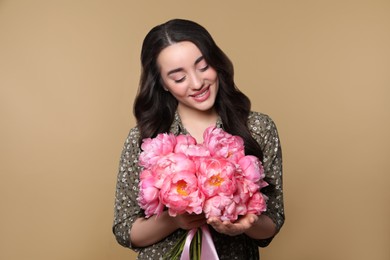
(179,54)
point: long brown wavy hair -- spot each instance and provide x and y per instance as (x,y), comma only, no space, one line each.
(155,108)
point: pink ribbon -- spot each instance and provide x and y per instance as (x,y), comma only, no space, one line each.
(185,255)
(208,249)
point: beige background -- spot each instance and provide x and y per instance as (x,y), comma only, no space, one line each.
(68,75)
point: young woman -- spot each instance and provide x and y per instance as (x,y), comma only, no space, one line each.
(186,86)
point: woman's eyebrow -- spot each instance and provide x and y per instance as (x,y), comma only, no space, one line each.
(181,69)
(174,71)
(199,59)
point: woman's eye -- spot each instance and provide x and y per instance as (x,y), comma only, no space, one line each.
(180,80)
(204,68)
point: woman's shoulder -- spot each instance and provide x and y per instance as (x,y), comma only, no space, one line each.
(134,130)
(261,124)
(259,119)
(133,137)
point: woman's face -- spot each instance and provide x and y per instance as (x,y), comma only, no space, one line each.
(187,76)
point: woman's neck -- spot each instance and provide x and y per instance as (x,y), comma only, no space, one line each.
(196,122)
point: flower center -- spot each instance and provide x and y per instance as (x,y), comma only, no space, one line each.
(181,188)
(215,180)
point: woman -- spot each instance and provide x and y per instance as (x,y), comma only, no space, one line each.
(186,86)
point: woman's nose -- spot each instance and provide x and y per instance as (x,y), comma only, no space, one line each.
(196,81)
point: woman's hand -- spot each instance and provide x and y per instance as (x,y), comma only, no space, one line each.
(147,231)
(189,221)
(242,225)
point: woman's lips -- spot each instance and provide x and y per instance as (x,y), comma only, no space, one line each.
(202,95)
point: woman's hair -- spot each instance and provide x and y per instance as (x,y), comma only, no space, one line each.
(154,108)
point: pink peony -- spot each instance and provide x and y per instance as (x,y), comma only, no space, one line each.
(187,144)
(251,168)
(153,148)
(245,189)
(257,204)
(148,197)
(222,207)
(183,142)
(197,151)
(248,181)
(170,164)
(180,193)
(216,176)
(221,143)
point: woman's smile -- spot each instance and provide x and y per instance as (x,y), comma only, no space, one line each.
(188,77)
(202,95)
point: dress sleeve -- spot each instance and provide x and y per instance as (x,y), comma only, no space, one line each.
(126,209)
(265,132)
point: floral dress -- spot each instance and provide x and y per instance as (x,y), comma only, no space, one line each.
(127,210)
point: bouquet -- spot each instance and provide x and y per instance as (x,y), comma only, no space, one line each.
(215,178)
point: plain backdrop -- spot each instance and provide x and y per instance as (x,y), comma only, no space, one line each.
(69,72)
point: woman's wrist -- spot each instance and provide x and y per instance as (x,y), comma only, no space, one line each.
(169,220)
(262,228)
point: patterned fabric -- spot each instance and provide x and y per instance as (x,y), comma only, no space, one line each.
(127,210)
